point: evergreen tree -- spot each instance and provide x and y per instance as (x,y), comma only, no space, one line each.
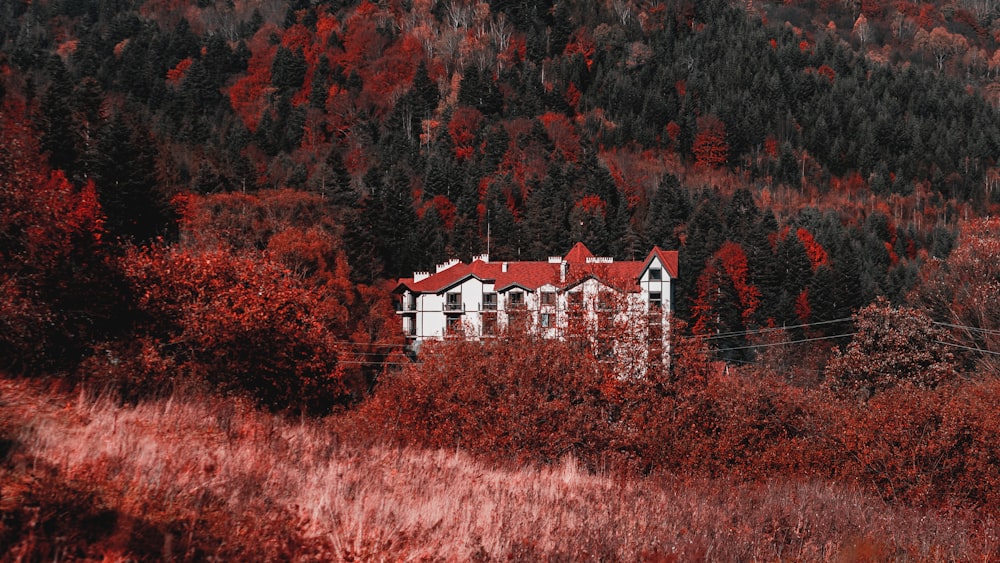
(546,221)
(59,139)
(124,169)
(669,209)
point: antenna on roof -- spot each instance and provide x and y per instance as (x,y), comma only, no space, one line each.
(487,231)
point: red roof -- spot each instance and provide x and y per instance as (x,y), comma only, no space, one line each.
(667,257)
(579,253)
(532,275)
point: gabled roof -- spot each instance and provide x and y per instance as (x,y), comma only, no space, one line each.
(449,277)
(667,257)
(530,276)
(578,254)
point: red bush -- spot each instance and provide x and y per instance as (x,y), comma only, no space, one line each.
(240,323)
(513,398)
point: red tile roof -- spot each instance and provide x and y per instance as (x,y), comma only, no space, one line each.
(532,275)
(578,254)
(667,257)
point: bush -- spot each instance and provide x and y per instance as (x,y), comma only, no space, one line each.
(240,323)
(891,345)
(519,397)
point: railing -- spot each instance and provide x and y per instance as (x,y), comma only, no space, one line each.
(453,307)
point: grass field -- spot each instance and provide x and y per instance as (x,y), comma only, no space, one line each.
(190,479)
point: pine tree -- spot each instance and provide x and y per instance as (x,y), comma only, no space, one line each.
(124,169)
(59,138)
(669,209)
(546,221)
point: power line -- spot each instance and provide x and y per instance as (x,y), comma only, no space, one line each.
(769,344)
(772,329)
(971,349)
(972,328)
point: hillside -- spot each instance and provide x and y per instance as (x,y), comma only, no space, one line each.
(423,127)
(206,205)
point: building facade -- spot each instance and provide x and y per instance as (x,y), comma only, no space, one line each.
(577,294)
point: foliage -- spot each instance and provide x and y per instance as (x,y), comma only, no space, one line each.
(515,397)
(891,345)
(51,257)
(238,322)
(959,293)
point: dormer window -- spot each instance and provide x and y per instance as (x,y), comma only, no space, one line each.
(655,274)
(516,299)
(549,298)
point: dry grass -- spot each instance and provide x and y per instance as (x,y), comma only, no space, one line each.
(263,487)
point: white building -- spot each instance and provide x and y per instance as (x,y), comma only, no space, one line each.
(574,294)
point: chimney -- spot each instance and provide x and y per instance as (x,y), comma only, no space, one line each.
(446,265)
(563,271)
(503,267)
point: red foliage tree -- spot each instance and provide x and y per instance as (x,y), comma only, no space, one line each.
(563,135)
(50,253)
(582,43)
(176,75)
(298,231)
(249,95)
(726,269)
(464,129)
(710,148)
(518,397)
(815,251)
(240,323)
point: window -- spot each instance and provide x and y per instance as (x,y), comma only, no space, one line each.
(547,320)
(516,299)
(575,299)
(655,299)
(453,324)
(489,301)
(605,302)
(655,274)
(453,301)
(489,324)
(549,298)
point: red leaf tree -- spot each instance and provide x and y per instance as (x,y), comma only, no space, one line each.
(50,254)
(710,147)
(238,322)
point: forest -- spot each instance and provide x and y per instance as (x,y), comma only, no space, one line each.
(206,203)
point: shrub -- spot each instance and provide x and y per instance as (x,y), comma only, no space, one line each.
(517,397)
(891,345)
(241,323)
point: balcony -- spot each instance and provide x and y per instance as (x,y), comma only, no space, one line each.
(453,302)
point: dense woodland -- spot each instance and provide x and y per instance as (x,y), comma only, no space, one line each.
(216,195)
